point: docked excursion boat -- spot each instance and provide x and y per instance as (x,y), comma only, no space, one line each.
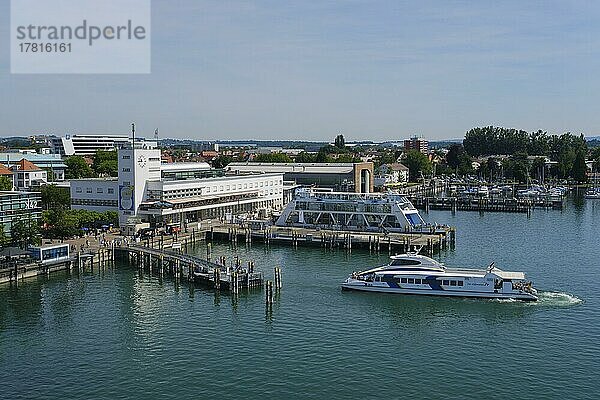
(420,275)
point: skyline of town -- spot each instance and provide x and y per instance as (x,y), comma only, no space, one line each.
(303,70)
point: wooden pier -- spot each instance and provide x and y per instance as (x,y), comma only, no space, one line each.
(217,275)
(12,271)
(428,240)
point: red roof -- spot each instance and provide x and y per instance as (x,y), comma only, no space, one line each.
(4,170)
(26,165)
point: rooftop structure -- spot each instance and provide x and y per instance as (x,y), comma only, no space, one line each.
(352,177)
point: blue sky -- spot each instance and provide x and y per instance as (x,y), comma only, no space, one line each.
(378,70)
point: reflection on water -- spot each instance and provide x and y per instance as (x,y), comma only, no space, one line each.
(147,335)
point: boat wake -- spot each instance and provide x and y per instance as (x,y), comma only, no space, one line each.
(557,299)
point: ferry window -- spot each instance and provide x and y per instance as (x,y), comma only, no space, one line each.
(452,283)
(111,191)
(460,283)
(445,283)
(418,281)
(411,280)
(403,280)
(405,262)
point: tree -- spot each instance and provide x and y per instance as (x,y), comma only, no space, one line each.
(517,167)
(55,198)
(25,232)
(221,162)
(305,157)
(3,238)
(537,168)
(347,158)
(386,157)
(453,158)
(273,158)
(579,171)
(6,184)
(340,142)
(595,157)
(105,163)
(417,163)
(77,168)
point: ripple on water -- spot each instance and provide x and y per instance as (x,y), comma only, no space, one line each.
(557,299)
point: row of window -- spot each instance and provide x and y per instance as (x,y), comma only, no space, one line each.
(94,202)
(214,189)
(419,281)
(98,190)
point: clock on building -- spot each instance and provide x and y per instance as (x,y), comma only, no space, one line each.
(141,161)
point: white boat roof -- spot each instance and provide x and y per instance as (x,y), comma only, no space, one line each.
(427,265)
(508,274)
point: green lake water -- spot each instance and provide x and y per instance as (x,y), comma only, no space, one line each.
(121,334)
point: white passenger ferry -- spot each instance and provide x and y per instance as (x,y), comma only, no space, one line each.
(365,212)
(420,275)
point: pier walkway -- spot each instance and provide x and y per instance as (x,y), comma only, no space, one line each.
(430,239)
(195,269)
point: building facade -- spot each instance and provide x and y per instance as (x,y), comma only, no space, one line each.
(27,174)
(350,177)
(85,145)
(19,206)
(148,191)
(94,194)
(175,202)
(139,163)
(51,163)
(416,143)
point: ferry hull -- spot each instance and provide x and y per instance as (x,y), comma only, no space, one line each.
(443,293)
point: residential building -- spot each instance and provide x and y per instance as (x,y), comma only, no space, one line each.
(52,163)
(416,143)
(391,174)
(27,174)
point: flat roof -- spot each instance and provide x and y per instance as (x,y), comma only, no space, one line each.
(18,192)
(216,179)
(186,166)
(307,168)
